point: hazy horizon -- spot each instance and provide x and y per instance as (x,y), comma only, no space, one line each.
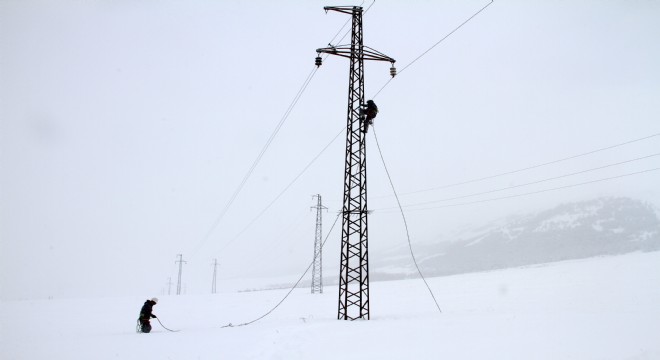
(126,128)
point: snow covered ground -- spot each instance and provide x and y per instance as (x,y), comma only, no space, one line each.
(599,308)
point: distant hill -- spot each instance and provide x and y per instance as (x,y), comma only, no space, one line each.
(604,226)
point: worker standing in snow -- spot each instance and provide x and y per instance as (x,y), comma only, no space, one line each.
(146,315)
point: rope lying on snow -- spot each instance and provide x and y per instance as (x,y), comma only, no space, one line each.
(292,288)
(161,324)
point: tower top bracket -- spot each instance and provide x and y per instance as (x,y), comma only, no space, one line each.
(343,9)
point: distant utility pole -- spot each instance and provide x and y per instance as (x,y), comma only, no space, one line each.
(215,272)
(354,265)
(178,284)
(317,268)
(169,286)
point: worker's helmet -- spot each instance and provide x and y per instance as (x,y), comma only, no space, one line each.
(154,300)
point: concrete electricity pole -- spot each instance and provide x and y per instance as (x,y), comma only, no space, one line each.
(215,272)
(169,286)
(354,266)
(178,284)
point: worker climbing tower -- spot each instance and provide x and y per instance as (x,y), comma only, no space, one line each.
(354,265)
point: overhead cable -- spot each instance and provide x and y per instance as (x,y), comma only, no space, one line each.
(535,166)
(529,183)
(536,192)
(434,45)
(309,164)
(293,103)
(258,159)
(405,223)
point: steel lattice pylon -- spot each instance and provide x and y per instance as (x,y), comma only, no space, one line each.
(354,263)
(317,268)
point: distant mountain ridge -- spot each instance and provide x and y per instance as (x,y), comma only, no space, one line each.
(603,226)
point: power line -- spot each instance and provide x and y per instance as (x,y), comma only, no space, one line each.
(405,223)
(270,140)
(530,183)
(434,45)
(261,153)
(342,28)
(539,191)
(272,137)
(286,188)
(280,238)
(283,236)
(346,23)
(292,288)
(533,166)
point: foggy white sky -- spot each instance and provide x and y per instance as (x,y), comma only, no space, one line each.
(127,126)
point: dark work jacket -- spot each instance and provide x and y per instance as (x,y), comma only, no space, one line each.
(145,313)
(372,110)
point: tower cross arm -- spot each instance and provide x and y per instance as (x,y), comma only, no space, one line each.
(346,51)
(372,54)
(343,9)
